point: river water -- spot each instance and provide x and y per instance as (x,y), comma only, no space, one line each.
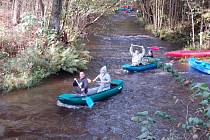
(32,114)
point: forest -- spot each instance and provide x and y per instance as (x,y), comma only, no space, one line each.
(181,21)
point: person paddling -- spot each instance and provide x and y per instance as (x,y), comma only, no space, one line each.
(136,56)
(105,80)
(81,84)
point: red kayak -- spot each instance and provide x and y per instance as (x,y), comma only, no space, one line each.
(189,53)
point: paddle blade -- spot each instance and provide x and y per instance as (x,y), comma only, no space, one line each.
(89,102)
(154,48)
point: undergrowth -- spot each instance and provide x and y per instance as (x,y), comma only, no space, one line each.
(197,125)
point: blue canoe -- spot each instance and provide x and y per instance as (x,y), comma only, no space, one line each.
(199,65)
(139,68)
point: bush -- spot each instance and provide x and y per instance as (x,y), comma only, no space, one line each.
(166,34)
(28,20)
(3,55)
(37,62)
(150,28)
(142,22)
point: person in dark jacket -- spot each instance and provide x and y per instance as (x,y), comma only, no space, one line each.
(81,84)
(150,53)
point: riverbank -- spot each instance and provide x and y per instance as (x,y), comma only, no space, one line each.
(180,21)
(173,36)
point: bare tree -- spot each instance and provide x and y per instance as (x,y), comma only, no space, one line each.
(192,21)
(201,26)
(41,4)
(16,12)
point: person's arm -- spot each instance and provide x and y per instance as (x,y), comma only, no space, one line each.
(131,49)
(96,78)
(75,84)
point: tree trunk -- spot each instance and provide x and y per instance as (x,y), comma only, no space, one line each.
(193,28)
(193,24)
(16,12)
(162,10)
(55,16)
(41,4)
(201,26)
(155,15)
(65,9)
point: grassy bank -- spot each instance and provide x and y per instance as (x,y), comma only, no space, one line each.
(174,36)
(196,122)
(179,35)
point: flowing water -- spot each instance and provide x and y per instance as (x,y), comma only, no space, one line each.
(32,113)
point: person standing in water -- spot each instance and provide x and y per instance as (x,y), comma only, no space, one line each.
(105,80)
(136,56)
(82,83)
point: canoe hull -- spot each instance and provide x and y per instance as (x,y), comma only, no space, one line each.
(188,53)
(72,99)
(139,68)
(199,65)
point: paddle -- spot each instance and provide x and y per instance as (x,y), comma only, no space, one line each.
(88,100)
(154,48)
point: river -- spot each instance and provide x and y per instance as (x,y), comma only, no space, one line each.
(32,113)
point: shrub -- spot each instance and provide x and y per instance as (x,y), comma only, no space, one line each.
(28,20)
(37,62)
(142,22)
(150,28)
(166,34)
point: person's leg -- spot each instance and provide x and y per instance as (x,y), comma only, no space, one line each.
(93,90)
(100,89)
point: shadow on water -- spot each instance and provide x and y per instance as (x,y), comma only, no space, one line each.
(33,114)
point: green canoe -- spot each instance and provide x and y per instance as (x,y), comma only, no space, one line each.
(74,99)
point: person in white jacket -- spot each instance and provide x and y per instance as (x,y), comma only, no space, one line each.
(136,56)
(105,80)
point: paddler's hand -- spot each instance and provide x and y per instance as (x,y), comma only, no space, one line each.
(89,81)
(82,89)
(75,79)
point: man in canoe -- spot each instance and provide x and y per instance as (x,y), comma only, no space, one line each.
(105,80)
(136,56)
(81,84)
